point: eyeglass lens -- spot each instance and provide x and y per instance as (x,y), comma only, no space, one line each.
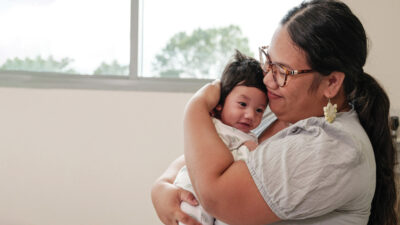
(278,73)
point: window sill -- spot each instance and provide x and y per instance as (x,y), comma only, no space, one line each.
(98,82)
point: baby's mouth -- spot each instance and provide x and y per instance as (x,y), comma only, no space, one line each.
(244,125)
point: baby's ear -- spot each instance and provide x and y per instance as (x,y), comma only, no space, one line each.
(217,111)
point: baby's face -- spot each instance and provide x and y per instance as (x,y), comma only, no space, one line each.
(244,108)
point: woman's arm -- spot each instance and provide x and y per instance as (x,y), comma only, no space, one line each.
(224,188)
(167,197)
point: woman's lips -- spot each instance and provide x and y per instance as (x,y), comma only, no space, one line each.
(273,96)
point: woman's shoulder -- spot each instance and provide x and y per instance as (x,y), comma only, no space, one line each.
(313,159)
(345,129)
(344,140)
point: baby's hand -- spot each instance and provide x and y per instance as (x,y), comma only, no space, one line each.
(251,145)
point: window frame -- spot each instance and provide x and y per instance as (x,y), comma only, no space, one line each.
(132,82)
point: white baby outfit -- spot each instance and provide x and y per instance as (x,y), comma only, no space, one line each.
(234,140)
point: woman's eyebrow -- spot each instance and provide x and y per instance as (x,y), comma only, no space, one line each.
(279,63)
(284,65)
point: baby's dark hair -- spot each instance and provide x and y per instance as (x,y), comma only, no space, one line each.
(241,70)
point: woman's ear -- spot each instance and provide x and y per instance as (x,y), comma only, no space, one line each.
(218,108)
(333,83)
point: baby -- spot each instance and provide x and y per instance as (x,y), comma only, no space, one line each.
(240,110)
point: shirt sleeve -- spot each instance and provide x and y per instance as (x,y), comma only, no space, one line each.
(241,153)
(305,172)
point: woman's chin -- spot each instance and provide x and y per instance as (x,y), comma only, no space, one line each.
(276,108)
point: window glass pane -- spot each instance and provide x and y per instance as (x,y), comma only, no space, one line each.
(195,39)
(67,36)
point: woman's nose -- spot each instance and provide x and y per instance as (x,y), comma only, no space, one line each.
(269,80)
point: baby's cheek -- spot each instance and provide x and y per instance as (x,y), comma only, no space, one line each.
(257,121)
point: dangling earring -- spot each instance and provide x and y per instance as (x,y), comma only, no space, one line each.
(330,112)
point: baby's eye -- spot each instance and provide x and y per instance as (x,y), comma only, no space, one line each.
(243,104)
(260,110)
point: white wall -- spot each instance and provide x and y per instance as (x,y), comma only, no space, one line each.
(381,22)
(85,157)
(79,157)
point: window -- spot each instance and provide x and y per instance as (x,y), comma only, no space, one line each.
(65,36)
(196,39)
(129,44)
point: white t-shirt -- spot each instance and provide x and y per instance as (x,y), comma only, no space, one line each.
(233,139)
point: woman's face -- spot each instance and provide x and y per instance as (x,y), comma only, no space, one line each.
(294,101)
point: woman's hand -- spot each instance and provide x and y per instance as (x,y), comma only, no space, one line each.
(167,200)
(167,197)
(209,94)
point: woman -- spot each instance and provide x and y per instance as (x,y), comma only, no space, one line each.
(336,169)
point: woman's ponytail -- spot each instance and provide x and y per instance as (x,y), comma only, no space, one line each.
(372,105)
(334,39)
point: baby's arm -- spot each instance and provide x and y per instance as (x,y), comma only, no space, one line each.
(251,145)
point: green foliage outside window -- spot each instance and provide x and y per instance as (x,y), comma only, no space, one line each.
(38,64)
(112,69)
(201,54)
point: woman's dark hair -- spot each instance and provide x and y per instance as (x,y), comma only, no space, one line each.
(241,70)
(334,40)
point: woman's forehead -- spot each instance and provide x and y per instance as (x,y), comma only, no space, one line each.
(282,50)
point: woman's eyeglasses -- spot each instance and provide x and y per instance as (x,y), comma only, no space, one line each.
(279,72)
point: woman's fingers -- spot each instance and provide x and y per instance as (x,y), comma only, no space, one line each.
(209,94)
(185,218)
(216,82)
(188,197)
(181,216)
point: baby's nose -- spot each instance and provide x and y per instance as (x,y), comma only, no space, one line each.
(249,114)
